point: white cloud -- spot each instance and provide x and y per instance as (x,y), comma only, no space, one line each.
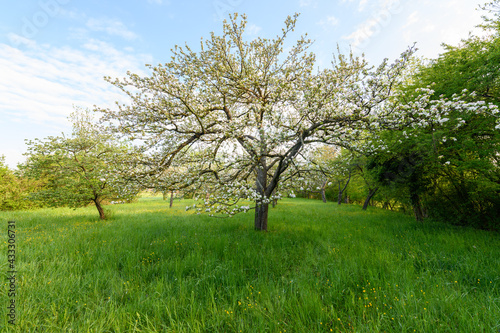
(253,30)
(440,22)
(395,24)
(413,19)
(330,21)
(71,14)
(40,84)
(382,15)
(12,156)
(111,27)
(429,27)
(362,5)
(362,35)
(308,3)
(18,40)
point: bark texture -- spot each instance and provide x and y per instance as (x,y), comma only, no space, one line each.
(102,215)
(341,190)
(261,209)
(371,193)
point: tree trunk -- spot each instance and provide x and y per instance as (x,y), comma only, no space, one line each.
(417,207)
(342,190)
(261,213)
(371,193)
(415,198)
(275,201)
(261,209)
(171,198)
(102,216)
(339,201)
(323,195)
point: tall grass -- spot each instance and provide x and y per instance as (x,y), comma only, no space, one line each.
(320,268)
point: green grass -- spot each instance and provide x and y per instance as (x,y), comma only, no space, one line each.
(320,268)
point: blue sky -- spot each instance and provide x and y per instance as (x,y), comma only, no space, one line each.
(55,53)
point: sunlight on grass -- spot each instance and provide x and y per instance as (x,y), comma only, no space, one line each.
(320,268)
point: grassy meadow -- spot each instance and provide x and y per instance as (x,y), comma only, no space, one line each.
(320,268)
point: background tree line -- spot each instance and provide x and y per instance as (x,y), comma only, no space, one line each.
(450,170)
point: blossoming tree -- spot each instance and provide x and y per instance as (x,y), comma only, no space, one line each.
(88,167)
(240,112)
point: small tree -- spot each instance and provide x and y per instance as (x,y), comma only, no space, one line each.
(15,189)
(9,187)
(325,166)
(85,168)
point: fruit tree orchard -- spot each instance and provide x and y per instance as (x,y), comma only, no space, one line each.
(237,114)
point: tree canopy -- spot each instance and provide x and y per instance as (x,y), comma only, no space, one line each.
(239,113)
(15,189)
(448,167)
(87,167)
